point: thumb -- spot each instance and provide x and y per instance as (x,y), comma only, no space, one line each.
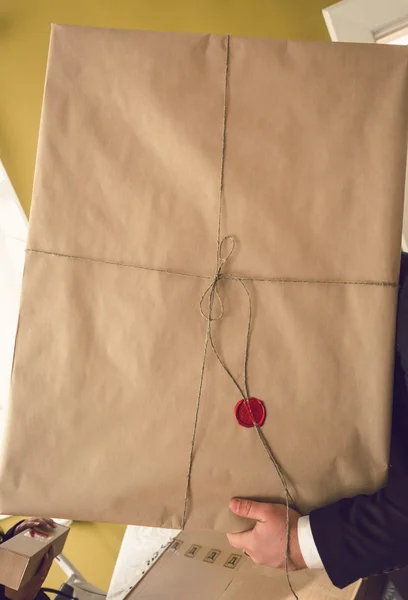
(249,509)
(46,564)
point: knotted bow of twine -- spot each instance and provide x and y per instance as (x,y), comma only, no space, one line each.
(212,293)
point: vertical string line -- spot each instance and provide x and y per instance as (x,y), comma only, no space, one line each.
(213,292)
(213,289)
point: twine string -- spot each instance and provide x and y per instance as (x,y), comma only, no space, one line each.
(174,273)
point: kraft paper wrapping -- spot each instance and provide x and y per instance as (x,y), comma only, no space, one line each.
(110,341)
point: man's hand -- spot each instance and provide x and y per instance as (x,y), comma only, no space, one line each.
(33,523)
(30,590)
(266,543)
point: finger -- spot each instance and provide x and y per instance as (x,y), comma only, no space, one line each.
(45,564)
(41,523)
(29,523)
(253,558)
(47,522)
(241,541)
(50,522)
(249,509)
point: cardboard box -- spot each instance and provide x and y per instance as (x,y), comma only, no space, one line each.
(205,567)
(123,244)
(21,556)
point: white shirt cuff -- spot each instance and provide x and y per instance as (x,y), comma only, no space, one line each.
(307,544)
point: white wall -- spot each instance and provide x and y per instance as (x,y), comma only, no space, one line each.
(13,234)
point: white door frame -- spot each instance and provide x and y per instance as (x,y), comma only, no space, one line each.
(364,20)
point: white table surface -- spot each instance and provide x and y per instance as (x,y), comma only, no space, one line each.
(141,547)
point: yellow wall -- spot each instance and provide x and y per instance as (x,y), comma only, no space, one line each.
(24,34)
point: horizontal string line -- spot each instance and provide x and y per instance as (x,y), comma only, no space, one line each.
(116,264)
(390,284)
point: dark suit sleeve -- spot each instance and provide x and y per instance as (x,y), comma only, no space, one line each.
(12,531)
(366,535)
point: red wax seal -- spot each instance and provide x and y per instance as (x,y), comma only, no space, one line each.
(251,411)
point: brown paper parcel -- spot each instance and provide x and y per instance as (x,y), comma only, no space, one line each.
(123,243)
